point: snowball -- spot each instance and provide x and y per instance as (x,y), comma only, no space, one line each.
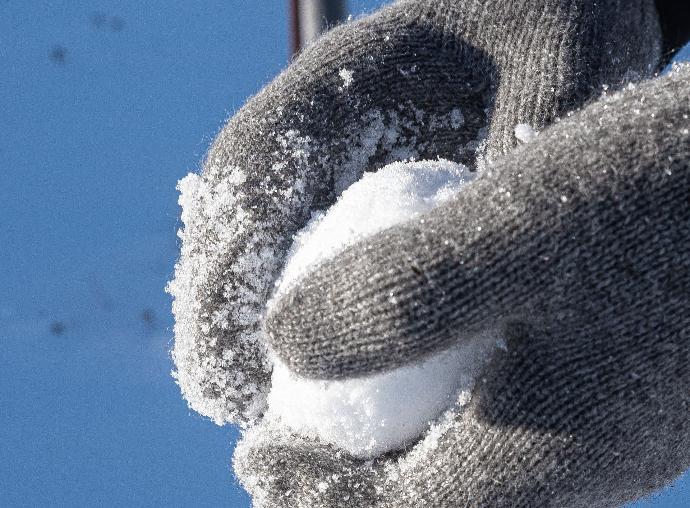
(371,415)
(394,194)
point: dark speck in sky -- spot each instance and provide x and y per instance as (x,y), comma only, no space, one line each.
(57,328)
(117,24)
(148,316)
(58,54)
(101,20)
(98,19)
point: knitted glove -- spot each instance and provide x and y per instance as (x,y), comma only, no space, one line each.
(576,245)
(423,79)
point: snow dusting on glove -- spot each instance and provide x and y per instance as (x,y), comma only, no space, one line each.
(422,79)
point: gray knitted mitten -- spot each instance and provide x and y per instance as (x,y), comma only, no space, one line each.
(577,246)
(423,79)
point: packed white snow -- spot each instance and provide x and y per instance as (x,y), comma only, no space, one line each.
(371,415)
(394,194)
(347,77)
(525,133)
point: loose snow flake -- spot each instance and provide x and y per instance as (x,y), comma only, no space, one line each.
(347,77)
(525,133)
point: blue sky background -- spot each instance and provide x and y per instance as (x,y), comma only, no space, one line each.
(105,105)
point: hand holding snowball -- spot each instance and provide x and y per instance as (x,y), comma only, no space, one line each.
(571,250)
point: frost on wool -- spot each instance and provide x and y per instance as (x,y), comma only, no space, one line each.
(232,250)
(372,415)
(347,76)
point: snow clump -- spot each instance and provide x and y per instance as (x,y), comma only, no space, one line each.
(525,133)
(375,414)
(394,194)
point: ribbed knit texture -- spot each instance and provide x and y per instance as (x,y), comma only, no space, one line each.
(420,79)
(574,236)
(578,244)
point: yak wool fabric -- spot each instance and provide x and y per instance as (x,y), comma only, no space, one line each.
(419,79)
(586,229)
(577,243)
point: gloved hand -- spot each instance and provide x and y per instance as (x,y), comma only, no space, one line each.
(577,246)
(422,79)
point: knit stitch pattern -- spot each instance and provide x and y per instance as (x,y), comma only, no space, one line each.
(577,244)
(420,79)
